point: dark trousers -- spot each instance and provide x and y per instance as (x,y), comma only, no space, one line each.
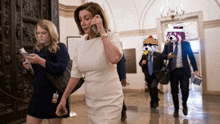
(124,108)
(177,77)
(152,83)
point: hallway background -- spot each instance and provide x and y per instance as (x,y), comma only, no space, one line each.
(135,20)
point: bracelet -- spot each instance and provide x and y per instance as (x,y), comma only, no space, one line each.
(104,36)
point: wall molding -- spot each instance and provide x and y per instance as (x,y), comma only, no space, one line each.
(211,24)
(66,11)
(138,32)
(218,3)
(153,31)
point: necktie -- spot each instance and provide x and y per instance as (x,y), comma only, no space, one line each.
(174,59)
(150,64)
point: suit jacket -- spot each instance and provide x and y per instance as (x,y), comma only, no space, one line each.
(186,51)
(158,63)
(121,68)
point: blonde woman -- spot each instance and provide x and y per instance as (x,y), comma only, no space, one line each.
(96,57)
(49,57)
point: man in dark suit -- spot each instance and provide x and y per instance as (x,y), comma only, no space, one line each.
(177,52)
(151,63)
(121,69)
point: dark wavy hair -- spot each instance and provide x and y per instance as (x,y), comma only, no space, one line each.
(95,9)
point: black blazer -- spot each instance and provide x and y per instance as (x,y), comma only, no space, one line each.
(121,68)
(158,63)
(186,51)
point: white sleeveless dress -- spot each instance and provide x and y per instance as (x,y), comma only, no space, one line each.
(104,97)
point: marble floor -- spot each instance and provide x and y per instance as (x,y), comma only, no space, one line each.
(202,109)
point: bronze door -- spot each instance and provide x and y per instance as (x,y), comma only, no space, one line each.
(17,21)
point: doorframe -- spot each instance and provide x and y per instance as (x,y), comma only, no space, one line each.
(199,17)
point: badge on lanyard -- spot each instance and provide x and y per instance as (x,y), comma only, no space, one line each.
(55,97)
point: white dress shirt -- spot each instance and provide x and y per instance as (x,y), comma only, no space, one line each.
(179,62)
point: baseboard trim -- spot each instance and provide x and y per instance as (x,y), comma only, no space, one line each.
(211,93)
(76,98)
(81,97)
(134,90)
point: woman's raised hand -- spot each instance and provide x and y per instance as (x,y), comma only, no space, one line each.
(97,20)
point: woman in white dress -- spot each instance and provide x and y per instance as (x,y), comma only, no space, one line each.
(96,56)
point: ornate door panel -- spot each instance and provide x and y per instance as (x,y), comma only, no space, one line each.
(17,21)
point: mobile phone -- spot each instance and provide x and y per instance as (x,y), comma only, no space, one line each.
(94,29)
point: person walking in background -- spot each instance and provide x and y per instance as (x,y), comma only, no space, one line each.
(96,56)
(121,69)
(151,63)
(49,56)
(177,51)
